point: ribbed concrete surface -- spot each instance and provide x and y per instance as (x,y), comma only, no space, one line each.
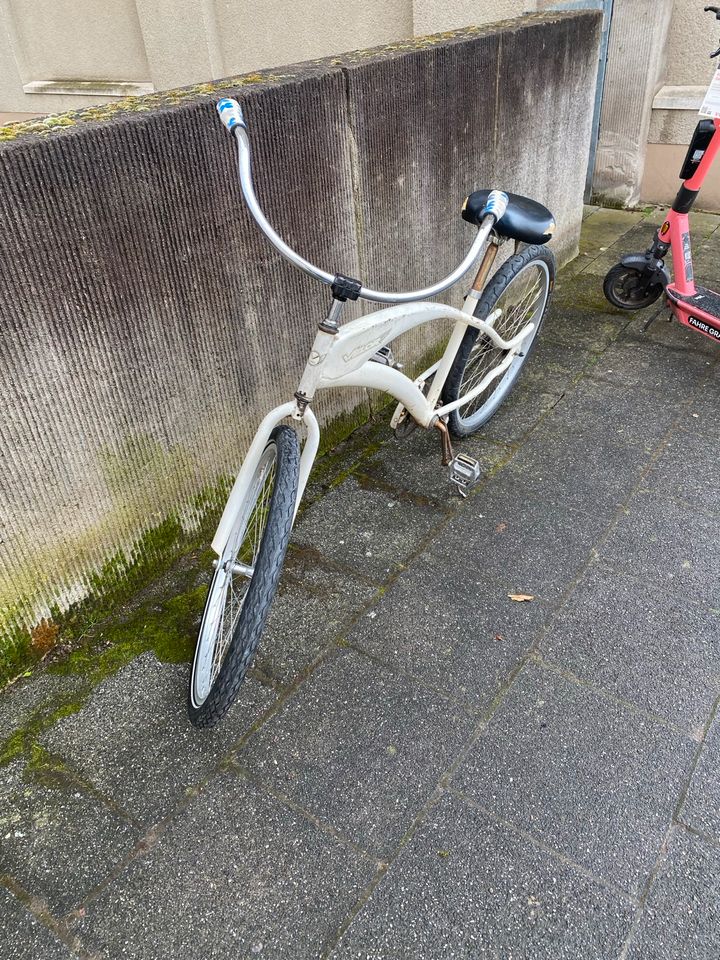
(145,325)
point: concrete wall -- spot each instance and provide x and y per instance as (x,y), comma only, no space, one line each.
(145,325)
(91,51)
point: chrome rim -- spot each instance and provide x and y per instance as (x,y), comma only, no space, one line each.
(521,302)
(232,577)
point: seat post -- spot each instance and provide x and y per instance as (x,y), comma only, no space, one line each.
(485,265)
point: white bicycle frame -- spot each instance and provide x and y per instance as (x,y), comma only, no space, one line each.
(341,356)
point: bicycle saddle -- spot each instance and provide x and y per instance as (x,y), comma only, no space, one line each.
(525,219)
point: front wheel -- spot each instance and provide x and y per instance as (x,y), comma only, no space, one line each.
(630,289)
(245,581)
(521,290)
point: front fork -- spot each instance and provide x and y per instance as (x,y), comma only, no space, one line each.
(252,458)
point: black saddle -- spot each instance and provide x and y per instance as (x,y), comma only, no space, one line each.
(525,219)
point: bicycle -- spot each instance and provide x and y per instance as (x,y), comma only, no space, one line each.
(486,350)
(639,279)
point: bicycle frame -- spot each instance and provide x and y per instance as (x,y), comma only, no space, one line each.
(343,359)
(342,356)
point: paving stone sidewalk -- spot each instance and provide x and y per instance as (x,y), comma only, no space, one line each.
(420,767)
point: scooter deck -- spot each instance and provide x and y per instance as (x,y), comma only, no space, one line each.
(703,299)
(700,310)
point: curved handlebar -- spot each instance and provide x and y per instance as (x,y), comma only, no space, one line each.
(232,117)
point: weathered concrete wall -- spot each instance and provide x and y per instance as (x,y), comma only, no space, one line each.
(145,325)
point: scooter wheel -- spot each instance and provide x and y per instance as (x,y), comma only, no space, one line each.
(628,289)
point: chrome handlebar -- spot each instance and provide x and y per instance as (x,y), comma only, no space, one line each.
(232,116)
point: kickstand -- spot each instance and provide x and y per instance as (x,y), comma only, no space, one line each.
(653,318)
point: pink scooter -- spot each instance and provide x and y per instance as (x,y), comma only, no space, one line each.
(640,278)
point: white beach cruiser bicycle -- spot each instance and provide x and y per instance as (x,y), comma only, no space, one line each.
(490,342)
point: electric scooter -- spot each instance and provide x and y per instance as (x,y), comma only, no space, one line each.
(639,279)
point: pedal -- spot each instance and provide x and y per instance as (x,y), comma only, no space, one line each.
(465,473)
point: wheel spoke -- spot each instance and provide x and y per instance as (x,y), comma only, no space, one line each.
(520,302)
(231,587)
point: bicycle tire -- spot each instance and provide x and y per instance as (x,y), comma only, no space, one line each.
(626,288)
(463,424)
(206,707)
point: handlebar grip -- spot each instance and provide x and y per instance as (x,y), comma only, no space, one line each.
(230,113)
(496,205)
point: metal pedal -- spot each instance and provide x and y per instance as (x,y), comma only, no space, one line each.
(464,472)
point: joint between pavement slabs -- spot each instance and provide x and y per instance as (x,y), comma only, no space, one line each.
(536,841)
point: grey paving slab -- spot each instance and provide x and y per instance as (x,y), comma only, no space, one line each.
(369,530)
(36,696)
(661,540)
(701,807)
(523,543)
(56,839)
(589,777)
(237,875)
(520,413)
(672,374)
(554,367)
(360,747)
(22,937)
(312,610)
(682,915)
(628,416)
(452,629)
(683,471)
(346,456)
(701,415)
(656,650)
(468,887)
(594,471)
(594,447)
(133,740)
(579,314)
(608,226)
(414,464)
(666,331)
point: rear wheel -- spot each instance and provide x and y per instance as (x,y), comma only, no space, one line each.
(521,290)
(630,289)
(245,581)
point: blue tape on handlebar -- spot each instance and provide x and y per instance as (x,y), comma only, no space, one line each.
(494,200)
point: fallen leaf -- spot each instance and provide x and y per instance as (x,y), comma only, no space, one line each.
(501,528)
(498,636)
(520,597)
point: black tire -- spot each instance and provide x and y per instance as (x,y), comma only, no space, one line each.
(627,288)
(465,421)
(262,586)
